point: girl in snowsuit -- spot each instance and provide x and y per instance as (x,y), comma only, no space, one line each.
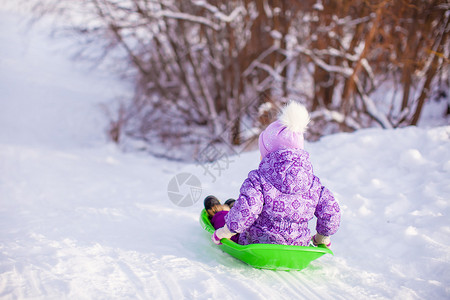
(278,199)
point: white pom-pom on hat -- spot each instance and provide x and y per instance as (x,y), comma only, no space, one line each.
(295,117)
(287,131)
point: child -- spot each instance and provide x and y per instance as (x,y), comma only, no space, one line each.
(217,212)
(230,203)
(278,199)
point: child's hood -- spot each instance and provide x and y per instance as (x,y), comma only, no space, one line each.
(288,170)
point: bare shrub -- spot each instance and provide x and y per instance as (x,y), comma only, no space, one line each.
(201,66)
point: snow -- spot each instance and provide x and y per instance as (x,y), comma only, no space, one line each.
(80,219)
(318,6)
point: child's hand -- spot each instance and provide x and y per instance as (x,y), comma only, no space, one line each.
(221,233)
(216,239)
(319,239)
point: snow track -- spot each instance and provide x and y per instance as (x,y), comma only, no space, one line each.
(97,223)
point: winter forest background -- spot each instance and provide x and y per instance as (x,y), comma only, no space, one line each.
(216,72)
(87,213)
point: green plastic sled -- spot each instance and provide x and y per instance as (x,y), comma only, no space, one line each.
(268,256)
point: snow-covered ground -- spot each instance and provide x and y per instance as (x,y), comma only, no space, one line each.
(80,219)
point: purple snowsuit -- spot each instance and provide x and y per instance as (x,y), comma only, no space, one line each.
(278,199)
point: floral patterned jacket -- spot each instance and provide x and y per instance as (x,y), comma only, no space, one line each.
(278,199)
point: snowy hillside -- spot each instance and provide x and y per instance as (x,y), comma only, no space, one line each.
(80,219)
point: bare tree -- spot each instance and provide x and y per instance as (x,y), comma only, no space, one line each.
(215,71)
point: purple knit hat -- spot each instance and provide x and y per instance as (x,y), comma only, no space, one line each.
(287,131)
